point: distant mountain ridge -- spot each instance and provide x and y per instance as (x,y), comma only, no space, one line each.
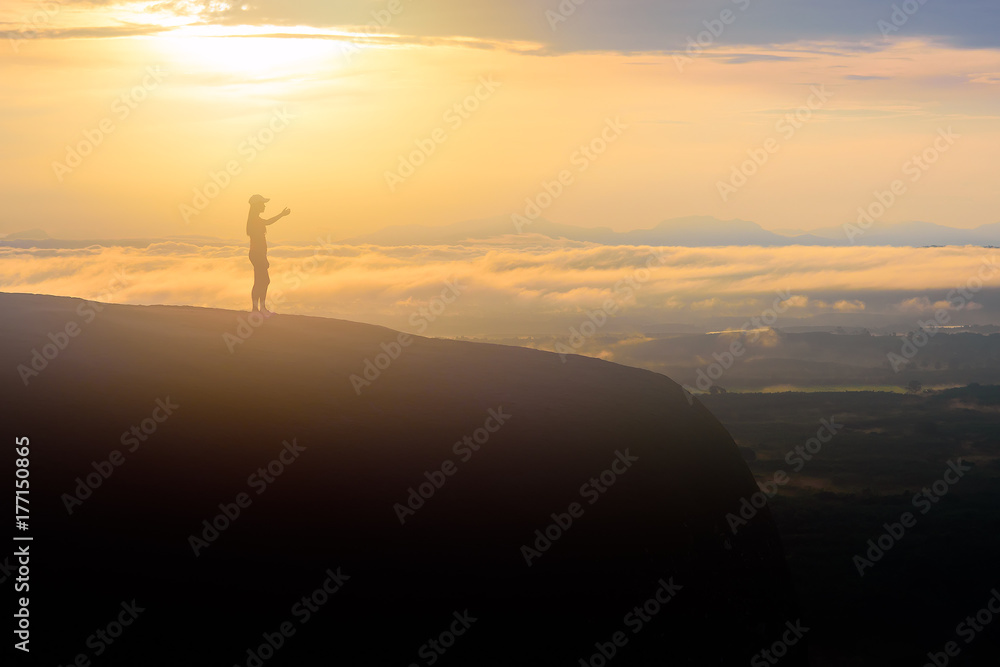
(27,234)
(691,231)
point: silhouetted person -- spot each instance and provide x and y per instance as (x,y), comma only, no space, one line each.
(257,231)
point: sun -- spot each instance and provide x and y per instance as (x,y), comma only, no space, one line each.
(259,53)
(184,37)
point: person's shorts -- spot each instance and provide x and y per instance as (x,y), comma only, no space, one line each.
(260,266)
(259,262)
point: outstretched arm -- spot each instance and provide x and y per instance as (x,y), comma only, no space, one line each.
(273,220)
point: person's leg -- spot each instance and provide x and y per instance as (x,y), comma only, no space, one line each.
(257,294)
(265,281)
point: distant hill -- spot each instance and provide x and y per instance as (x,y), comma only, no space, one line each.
(49,242)
(690,231)
(916,234)
(693,231)
(28,234)
(160,417)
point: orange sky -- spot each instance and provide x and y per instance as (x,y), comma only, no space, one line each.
(347,116)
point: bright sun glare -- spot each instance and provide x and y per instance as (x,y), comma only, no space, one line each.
(248,56)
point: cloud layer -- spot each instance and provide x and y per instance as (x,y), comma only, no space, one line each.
(502,289)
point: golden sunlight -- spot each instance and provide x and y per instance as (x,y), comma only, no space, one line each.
(247,54)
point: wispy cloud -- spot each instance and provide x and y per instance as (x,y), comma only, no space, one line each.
(639,25)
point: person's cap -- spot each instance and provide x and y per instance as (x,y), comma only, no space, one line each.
(257,199)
